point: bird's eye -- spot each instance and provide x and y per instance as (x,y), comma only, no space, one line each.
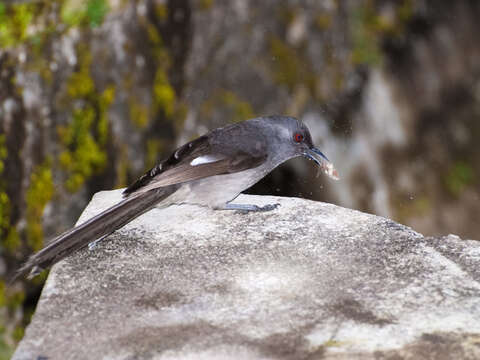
(298,137)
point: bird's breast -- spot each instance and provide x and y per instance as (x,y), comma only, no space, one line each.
(216,191)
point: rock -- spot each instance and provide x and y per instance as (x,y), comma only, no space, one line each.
(308,280)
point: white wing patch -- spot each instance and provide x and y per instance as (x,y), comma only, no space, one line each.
(206,159)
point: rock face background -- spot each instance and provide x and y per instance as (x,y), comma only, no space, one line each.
(94,92)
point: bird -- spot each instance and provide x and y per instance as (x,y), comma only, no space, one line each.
(210,171)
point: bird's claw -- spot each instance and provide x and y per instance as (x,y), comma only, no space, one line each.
(268,207)
(256,208)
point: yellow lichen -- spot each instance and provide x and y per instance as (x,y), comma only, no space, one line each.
(205,4)
(105,101)
(122,167)
(163,93)
(84,139)
(236,108)
(369,28)
(288,68)
(366,46)
(459,177)
(14,22)
(86,157)
(241,109)
(323,21)
(164,97)
(84,12)
(180,115)
(12,241)
(153,35)
(4,200)
(139,113)
(80,84)
(161,11)
(39,193)
(154,148)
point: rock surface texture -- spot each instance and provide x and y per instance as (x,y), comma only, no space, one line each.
(308,280)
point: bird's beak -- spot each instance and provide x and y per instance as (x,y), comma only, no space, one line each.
(322,161)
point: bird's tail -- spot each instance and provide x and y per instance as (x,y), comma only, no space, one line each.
(97,227)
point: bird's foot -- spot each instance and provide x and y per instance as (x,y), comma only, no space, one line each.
(246,208)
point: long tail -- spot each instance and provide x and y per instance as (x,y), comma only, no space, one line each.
(100,225)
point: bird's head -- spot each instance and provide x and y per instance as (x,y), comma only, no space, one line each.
(292,137)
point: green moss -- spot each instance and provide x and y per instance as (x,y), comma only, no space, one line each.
(161,11)
(369,29)
(10,301)
(40,279)
(14,22)
(3,296)
(405,11)
(80,84)
(6,348)
(96,11)
(333,343)
(288,68)
(164,97)
(84,156)
(12,241)
(408,207)
(18,333)
(105,101)
(286,63)
(122,167)
(205,4)
(241,109)
(154,147)
(39,193)
(286,15)
(84,12)
(4,200)
(180,115)
(6,351)
(236,108)
(4,214)
(323,21)
(421,205)
(9,243)
(3,152)
(16,19)
(163,93)
(366,42)
(154,35)
(165,109)
(73,12)
(460,176)
(85,138)
(15,300)
(139,113)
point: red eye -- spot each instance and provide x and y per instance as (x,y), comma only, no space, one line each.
(298,137)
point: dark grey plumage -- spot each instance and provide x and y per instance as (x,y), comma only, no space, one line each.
(211,170)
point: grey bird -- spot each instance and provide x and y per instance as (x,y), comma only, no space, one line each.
(211,170)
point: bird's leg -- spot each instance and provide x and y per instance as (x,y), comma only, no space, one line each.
(244,208)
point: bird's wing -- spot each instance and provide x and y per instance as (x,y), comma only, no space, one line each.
(196,160)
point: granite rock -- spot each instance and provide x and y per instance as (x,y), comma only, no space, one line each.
(308,280)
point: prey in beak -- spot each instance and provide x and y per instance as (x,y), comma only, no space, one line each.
(322,161)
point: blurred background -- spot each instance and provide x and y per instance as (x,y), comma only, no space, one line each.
(94,92)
